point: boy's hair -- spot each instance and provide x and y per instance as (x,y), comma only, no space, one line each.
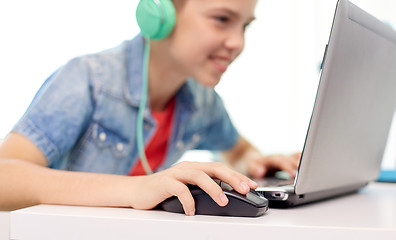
(179,4)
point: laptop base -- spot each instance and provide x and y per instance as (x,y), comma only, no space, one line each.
(286,198)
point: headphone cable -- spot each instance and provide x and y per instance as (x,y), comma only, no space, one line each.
(142,107)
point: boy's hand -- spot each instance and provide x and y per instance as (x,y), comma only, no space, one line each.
(151,190)
(253,163)
(259,165)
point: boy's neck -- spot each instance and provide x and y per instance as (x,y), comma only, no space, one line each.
(164,77)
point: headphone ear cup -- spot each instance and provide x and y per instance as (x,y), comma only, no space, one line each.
(156,18)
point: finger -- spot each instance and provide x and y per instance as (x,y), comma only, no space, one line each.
(257,170)
(205,182)
(296,164)
(286,163)
(295,160)
(289,168)
(239,182)
(182,192)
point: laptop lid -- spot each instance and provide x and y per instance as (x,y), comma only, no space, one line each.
(354,105)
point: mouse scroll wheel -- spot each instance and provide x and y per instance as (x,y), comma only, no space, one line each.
(225,186)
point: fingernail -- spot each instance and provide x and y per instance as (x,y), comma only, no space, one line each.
(192,213)
(244,186)
(253,183)
(223,198)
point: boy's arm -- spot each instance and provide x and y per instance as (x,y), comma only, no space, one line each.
(248,159)
(25,180)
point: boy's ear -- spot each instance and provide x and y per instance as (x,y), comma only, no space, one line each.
(156,18)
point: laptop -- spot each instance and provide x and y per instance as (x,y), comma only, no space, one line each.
(352,114)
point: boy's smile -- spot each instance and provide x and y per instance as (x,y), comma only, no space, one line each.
(221,62)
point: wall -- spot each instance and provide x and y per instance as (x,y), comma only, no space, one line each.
(275,77)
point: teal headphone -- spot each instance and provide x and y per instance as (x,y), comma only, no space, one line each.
(156,19)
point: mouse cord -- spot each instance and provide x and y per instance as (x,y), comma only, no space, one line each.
(142,107)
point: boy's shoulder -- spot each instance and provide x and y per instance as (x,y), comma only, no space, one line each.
(112,57)
(107,70)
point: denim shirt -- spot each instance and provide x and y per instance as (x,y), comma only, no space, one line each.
(83,118)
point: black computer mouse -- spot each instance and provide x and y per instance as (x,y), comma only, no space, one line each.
(250,205)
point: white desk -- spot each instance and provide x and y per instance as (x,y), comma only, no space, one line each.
(4,225)
(370,214)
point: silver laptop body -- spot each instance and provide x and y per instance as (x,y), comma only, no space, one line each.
(353,111)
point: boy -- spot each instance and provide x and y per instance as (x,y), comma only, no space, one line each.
(77,141)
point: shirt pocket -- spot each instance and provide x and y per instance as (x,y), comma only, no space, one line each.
(105,138)
(101,150)
(108,146)
(114,125)
(189,141)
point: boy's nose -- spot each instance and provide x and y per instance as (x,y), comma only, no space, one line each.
(235,41)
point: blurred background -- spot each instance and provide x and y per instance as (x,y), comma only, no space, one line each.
(269,91)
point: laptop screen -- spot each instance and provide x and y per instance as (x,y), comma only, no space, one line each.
(354,105)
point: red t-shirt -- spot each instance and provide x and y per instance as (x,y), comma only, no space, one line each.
(156,148)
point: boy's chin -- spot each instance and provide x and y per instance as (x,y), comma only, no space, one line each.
(209,82)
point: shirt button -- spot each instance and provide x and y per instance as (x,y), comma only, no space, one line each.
(120,146)
(102,136)
(196,138)
(179,145)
